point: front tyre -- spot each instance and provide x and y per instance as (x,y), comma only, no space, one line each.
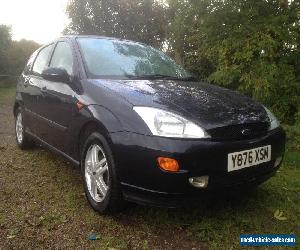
(23,140)
(101,184)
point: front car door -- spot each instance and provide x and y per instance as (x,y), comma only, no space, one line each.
(59,97)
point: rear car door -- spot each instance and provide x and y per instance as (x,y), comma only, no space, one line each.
(59,98)
(32,95)
(25,91)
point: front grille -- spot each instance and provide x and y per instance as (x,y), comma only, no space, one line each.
(239,131)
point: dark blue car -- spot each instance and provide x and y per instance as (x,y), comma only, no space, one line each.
(140,126)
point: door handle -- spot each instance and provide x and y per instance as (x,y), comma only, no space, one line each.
(44,89)
(26,82)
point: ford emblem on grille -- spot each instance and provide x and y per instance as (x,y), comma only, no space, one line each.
(246,131)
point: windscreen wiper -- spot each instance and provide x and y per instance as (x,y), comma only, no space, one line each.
(158,76)
(151,77)
(189,78)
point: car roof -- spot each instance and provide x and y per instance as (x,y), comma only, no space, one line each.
(74,37)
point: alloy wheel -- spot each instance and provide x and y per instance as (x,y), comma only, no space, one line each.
(19,128)
(96,173)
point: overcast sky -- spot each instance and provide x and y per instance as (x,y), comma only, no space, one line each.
(38,20)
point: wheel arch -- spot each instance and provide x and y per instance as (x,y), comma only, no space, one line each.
(97,119)
(88,128)
(15,108)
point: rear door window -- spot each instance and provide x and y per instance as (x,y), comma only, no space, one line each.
(28,66)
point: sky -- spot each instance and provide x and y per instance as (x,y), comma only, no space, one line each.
(38,20)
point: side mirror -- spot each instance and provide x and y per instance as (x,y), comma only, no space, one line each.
(56,75)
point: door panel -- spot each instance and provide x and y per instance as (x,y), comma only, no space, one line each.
(58,100)
(32,94)
(58,107)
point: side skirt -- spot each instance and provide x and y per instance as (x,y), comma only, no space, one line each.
(54,149)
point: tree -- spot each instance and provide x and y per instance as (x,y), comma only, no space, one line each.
(252,46)
(5,42)
(18,55)
(139,20)
(13,54)
(246,45)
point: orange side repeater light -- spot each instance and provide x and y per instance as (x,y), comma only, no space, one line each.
(79,105)
(168,164)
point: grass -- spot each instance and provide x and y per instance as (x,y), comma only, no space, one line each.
(42,205)
(6,93)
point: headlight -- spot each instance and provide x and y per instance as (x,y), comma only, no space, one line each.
(274,123)
(167,124)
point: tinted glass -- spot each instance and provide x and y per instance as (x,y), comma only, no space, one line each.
(42,59)
(62,57)
(104,57)
(28,66)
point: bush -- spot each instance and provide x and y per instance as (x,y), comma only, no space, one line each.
(250,46)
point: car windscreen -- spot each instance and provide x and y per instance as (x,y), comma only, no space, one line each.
(106,58)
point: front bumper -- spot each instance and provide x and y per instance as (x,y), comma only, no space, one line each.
(144,182)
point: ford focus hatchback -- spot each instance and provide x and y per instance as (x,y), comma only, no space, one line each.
(140,127)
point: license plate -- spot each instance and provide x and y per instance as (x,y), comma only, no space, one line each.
(248,158)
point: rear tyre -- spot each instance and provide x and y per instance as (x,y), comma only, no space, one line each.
(23,139)
(101,185)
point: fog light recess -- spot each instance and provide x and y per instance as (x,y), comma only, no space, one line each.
(199,182)
(277,161)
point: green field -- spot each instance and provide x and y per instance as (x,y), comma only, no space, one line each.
(6,94)
(42,205)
